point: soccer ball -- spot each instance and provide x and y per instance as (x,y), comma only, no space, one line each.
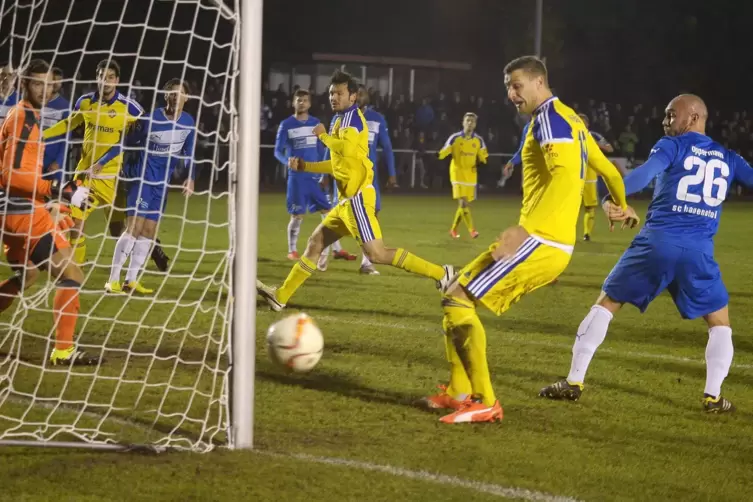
(295,342)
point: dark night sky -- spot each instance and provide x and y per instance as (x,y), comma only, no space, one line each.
(619,50)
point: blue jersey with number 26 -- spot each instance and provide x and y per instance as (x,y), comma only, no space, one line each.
(694,175)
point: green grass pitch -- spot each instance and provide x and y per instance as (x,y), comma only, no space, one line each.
(638,432)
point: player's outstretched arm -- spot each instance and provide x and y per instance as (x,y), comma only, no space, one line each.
(63,126)
(323,167)
(743,172)
(483,153)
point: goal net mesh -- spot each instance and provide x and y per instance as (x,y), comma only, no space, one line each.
(165,378)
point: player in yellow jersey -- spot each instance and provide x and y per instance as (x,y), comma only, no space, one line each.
(467,149)
(106,116)
(590,190)
(355,212)
(556,153)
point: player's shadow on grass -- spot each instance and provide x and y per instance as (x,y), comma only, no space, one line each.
(338,384)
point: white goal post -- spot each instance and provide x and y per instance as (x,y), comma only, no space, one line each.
(178,363)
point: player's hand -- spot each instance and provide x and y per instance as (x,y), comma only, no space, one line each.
(631,218)
(509,241)
(188,187)
(60,215)
(96,169)
(295,164)
(319,129)
(507,170)
(392,182)
(73,193)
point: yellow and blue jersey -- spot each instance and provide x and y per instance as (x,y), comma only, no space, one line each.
(467,151)
(349,164)
(556,154)
(105,123)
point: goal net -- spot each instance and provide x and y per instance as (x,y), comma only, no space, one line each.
(165,379)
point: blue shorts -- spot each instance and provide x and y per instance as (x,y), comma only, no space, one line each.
(649,266)
(147,201)
(306,195)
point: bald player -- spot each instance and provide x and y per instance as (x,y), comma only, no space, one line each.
(675,248)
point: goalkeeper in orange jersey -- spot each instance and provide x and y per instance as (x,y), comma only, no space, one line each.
(526,256)
(355,213)
(467,149)
(32,240)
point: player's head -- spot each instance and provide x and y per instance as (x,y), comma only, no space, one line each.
(584,118)
(108,76)
(363,96)
(343,91)
(301,101)
(36,83)
(176,94)
(7,77)
(527,83)
(685,113)
(469,122)
(57,80)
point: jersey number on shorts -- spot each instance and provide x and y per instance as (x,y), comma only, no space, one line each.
(708,175)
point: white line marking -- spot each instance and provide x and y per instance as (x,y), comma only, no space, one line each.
(442,479)
(527,341)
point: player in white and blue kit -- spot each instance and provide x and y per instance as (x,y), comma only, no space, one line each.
(8,95)
(379,137)
(56,109)
(296,139)
(164,137)
(675,248)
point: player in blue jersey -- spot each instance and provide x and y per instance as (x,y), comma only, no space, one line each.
(8,95)
(379,136)
(295,138)
(675,248)
(56,109)
(164,137)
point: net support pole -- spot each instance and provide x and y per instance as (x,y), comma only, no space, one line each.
(539,27)
(247,200)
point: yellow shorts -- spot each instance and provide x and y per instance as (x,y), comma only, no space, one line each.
(590,194)
(105,194)
(499,284)
(356,217)
(463,191)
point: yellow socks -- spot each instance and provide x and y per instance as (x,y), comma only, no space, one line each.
(415,265)
(460,386)
(297,276)
(468,219)
(589,219)
(79,249)
(468,337)
(458,218)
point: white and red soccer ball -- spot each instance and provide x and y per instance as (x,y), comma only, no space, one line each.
(295,342)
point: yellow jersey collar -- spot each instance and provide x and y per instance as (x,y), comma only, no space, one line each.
(549,100)
(114,98)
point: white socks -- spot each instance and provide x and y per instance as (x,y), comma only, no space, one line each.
(591,334)
(123,248)
(365,262)
(337,247)
(294,228)
(138,258)
(719,353)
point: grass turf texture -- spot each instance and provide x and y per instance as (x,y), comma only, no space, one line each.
(637,433)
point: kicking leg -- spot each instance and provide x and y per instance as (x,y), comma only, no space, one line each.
(367,268)
(400,258)
(719,352)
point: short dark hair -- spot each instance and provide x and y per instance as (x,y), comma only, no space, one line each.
(109,64)
(177,81)
(57,72)
(299,93)
(342,77)
(529,64)
(470,114)
(36,66)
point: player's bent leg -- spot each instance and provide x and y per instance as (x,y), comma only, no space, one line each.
(65,310)
(405,260)
(470,382)
(322,237)
(468,219)
(367,268)
(77,238)
(590,335)
(719,353)
(21,281)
